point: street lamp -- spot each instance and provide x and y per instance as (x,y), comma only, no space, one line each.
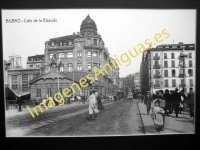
(182,57)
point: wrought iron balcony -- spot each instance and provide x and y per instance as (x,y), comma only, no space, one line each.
(156,66)
(93,47)
(181,85)
(157,75)
(182,66)
(181,75)
(157,86)
(156,57)
(183,55)
(191,74)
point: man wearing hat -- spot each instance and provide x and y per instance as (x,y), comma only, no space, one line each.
(176,101)
(167,102)
(190,98)
(19,102)
(147,101)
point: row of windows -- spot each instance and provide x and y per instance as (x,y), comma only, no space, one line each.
(173,63)
(14,82)
(172,55)
(36,59)
(157,82)
(79,67)
(79,54)
(190,72)
(68,43)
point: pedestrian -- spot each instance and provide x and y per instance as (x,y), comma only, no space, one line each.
(176,101)
(37,101)
(162,104)
(190,98)
(100,106)
(44,101)
(183,98)
(147,101)
(167,100)
(115,98)
(171,110)
(19,102)
(157,116)
(139,97)
(83,99)
(92,109)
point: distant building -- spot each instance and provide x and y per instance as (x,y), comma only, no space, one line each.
(161,68)
(136,78)
(15,61)
(17,78)
(36,61)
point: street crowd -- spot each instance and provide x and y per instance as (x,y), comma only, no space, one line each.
(165,103)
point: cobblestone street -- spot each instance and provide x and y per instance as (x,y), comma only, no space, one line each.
(121,118)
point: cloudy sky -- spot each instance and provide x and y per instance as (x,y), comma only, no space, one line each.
(121,29)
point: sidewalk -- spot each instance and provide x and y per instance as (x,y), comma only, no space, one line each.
(183,124)
(14,112)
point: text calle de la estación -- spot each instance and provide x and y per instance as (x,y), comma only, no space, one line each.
(26,20)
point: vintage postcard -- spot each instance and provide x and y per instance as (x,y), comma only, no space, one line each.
(99,72)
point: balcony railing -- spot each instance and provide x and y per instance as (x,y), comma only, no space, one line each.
(93,47)
(181,85)
(156,57)
(70,47)
(181,75)
(156,66)
(157,75)
(182,66)
(157,86)
(191,74)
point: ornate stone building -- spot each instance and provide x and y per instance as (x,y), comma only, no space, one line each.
(75,56)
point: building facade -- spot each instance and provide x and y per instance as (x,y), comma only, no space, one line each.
(36,61)
(162,68)
(136,79)
(77,54)
(17,78)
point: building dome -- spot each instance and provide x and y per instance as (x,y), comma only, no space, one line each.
(88,25)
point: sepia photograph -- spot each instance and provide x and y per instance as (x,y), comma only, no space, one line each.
(99,72)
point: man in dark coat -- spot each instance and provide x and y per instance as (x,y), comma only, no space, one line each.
(167,100)
(147,101)
(190,98)
(19,102)
(171,102)
(100,106)
(176,101)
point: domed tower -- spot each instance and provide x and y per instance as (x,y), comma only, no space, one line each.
(88,26)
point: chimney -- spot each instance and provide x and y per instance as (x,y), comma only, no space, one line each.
(73,33)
